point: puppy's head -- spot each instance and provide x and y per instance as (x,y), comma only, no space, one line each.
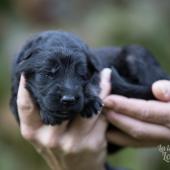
(59,79)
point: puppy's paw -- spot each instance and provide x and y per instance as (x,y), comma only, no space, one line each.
(92,107)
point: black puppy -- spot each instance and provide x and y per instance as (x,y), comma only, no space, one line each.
(62,75)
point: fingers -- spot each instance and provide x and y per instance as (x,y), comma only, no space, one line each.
(105,84)
(149,111)
(96,139)
(98,132)
(82,125)
(84,134)
(122,139)
(49,136)
(96,124)
(137,129)
(31,125)
(161,90)
(28,113)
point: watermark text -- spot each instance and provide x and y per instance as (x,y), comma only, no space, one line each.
(165,151)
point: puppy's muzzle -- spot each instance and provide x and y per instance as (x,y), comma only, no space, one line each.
(68,100)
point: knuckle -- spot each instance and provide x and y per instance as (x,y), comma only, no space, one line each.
(69,146)
(145,113)
(70,149)
(99,146)
(138,133)
(49,141)
(168,125)
(24,106)
(27,133)
(95,145)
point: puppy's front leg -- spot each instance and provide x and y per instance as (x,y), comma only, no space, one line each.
(92,104)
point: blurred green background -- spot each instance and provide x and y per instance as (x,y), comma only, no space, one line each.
(99,23)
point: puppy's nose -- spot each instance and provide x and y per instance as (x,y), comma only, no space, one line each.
(68,100)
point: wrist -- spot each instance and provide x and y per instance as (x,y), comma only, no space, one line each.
(85,160)
(77,161)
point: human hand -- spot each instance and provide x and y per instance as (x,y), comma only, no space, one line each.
(78,145)
(141,123)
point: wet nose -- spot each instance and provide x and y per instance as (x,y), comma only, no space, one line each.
(68,100)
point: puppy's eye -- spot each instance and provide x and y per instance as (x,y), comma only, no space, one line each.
(47,75)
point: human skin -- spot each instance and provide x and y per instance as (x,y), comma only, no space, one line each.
(76,145)
(140,123)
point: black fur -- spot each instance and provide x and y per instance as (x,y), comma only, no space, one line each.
(62,75)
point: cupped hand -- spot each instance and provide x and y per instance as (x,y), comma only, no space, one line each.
(77,145)
(140,123)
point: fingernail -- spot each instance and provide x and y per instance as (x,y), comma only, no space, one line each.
(109,103)
(161,89)
(106,71)
(22,80)
(166,91)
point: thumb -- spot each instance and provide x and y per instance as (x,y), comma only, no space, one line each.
(105,83)
(161,90)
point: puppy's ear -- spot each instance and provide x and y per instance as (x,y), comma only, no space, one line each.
(26,55)
(93,63)
(26,60)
